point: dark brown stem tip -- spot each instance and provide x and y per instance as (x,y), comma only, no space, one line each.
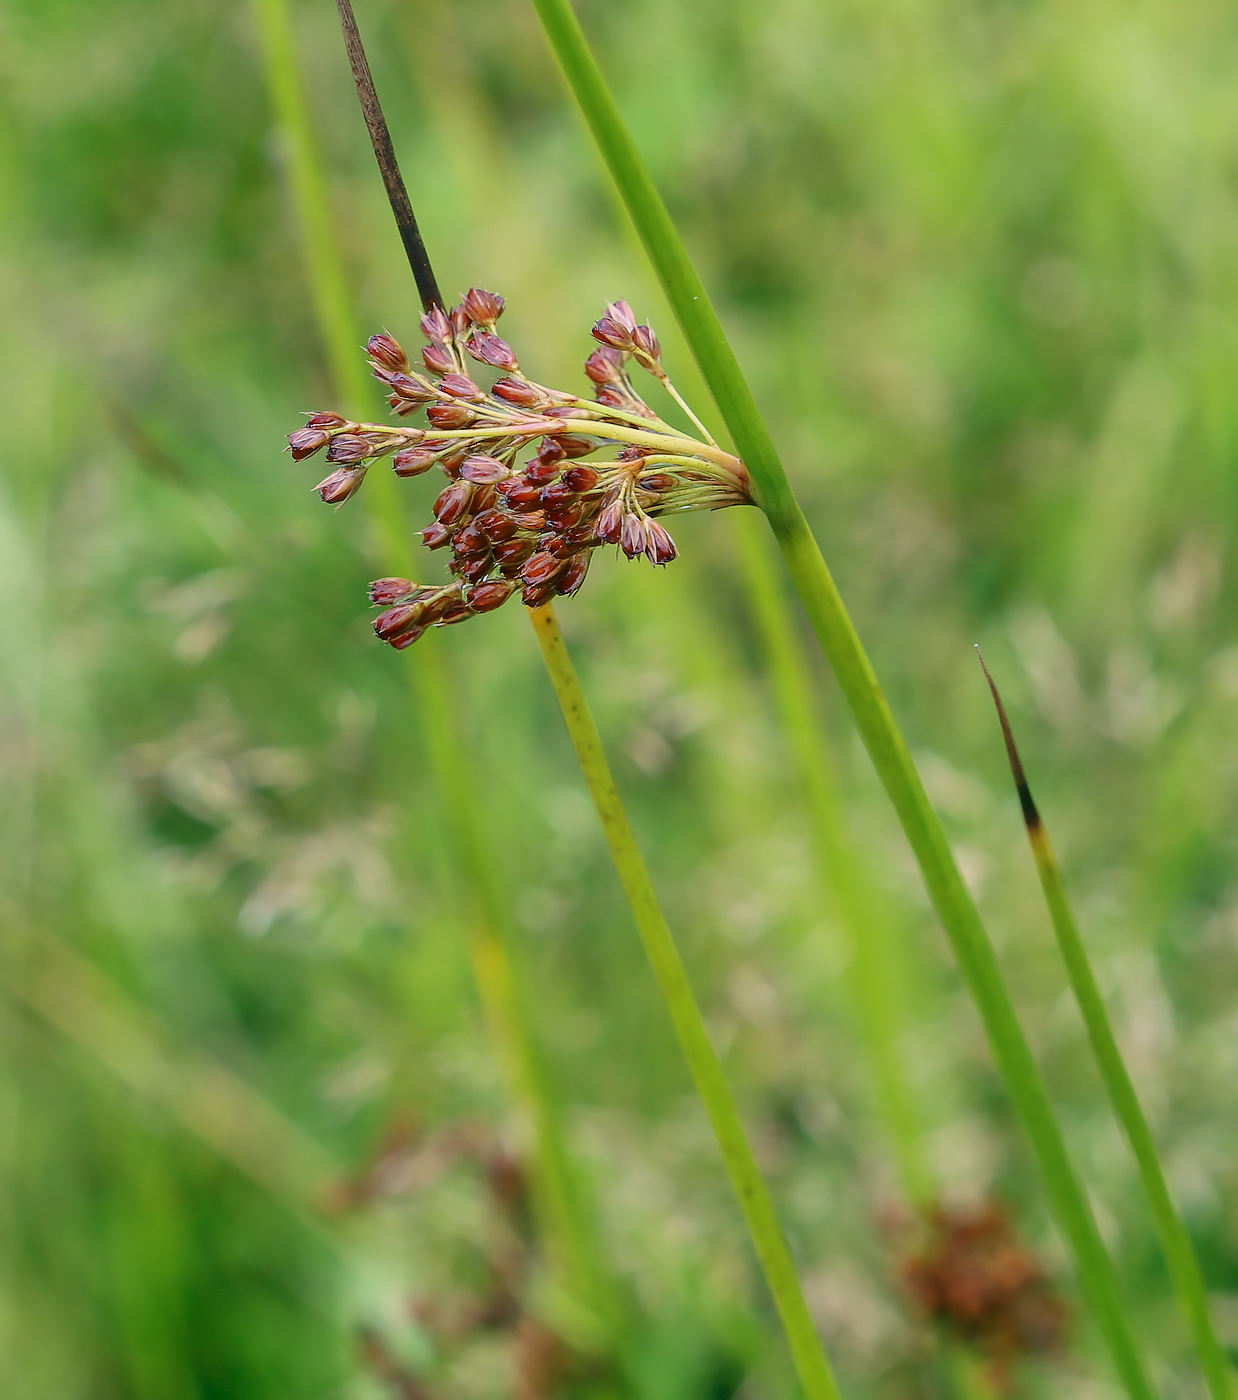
(1031,816)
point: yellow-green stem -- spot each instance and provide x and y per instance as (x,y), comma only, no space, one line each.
(830,620)
(1176,1243)
(570,1233)
(706,1068)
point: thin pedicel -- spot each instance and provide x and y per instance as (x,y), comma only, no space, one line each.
(530,525)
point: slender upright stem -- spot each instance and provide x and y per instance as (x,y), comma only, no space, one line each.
(1176,1243)
(830,620)
(570,1232)
(703,1062)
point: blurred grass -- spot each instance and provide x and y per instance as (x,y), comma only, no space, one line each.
(981,262)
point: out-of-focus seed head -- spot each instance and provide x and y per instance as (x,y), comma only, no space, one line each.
(485,597)
(391,590)
(483,307)
(387,353)
(659,546)
(520,393)
(349,447)
(460,386)
(492,350)
(487,469)
(438,359)
(453,503)
(582,478)
(413,461)
(435,536)
(341,485)
(450,415)
(306,441)
(435,325)
(605,365)
(573,576)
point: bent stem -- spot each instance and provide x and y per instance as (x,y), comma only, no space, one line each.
(1176,1243)
(830,620)
(749,1185)
(570,1233)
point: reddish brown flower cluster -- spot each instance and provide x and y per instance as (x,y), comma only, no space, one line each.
(976,1277)
(529,525)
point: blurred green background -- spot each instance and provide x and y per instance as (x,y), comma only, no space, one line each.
(980,260)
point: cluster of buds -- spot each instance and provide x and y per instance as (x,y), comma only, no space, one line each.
(522,512)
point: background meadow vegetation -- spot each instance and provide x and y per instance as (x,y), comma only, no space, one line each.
(980,259)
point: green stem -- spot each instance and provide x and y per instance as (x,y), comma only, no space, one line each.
(570,1231)
(1176,1243)
(749,1185)
(868,937)
(830,620)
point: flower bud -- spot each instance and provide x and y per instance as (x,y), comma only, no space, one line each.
(460,386)
(340,485)
(517,391)
(488,469)
(632,536)
(659,546)
(610,522)
(387,353)
(485,597)
(574,446)
(349,447)
(453,502)
(492,350)
(459,319)
(496,525)
(325,420)
(306,441)
(483,307)
(648,351)
(408,393)
(605,366)
(389,625)
(391,590)
(620,311)
(435,325)
(435,536)
(581,478)
(438,359)
(573,576)
(413,461)
(450,415)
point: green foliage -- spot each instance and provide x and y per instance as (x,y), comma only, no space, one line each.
(979,260)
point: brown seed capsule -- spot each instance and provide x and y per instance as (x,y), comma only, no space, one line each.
(648,351)
(632,536)
(460,386)
(340,485)
(438,359)
(573,576)
(537,595)
(492,350)
(657,481)
(564,514)
(450,415)
(453,502)
(406,388)
(484,498)
(460,322)
(523,495)
(610,397)
(392,623)
(306,441)
(325,420)
(453,465)
(496,525)
(530,520)
(557,493)
(485,597)
(610,332)
(406,639)
(349,447)
(387,352)
(550,451)
(436,608)
(513,553)
(541,567)
(457,612)
(605,365)
(483,307)
(609,524)
(487,469)
(474,567)
(541,471)
(469,539)
(435,536)
(581,478)
(518,392)
(391,590)
(413,461)
(576,446)
(658,545)
(561,546)
(435,325)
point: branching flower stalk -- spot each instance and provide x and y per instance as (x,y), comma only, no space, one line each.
(1175,1241)
(836,631)
(569,1228)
